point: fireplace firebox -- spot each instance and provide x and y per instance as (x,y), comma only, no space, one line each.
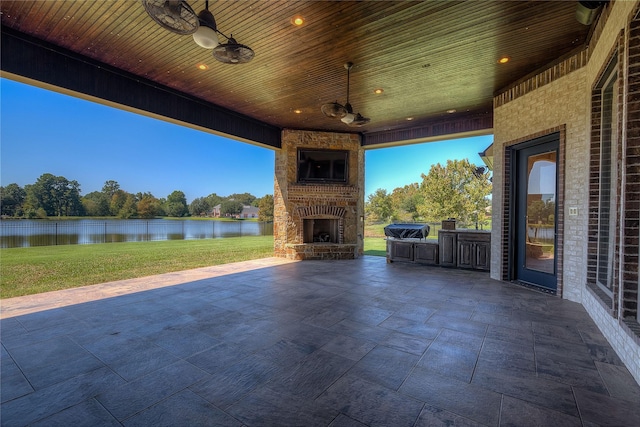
(321,231)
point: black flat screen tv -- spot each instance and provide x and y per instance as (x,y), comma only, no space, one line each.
(323,166)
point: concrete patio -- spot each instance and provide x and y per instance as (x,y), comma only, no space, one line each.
(328,343)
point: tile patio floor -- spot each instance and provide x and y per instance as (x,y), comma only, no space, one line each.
(327,343)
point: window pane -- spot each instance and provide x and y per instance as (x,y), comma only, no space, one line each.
(606,219)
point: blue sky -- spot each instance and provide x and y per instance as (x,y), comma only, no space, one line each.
(46,132)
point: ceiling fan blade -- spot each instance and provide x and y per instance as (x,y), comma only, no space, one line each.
(359,121)
(173,15)
(233,52)
(334,110)
(345,112)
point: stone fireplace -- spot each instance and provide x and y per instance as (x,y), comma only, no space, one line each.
(318,220)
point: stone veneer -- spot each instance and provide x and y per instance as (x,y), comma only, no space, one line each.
(295,202)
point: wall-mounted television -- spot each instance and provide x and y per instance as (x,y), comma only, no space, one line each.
(323,166)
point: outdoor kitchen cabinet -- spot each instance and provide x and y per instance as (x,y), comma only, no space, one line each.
(398,250)
(426,253)
(465,249)
(448,241)
(474,250)
(412,251)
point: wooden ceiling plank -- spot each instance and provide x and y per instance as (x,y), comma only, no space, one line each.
(428,56)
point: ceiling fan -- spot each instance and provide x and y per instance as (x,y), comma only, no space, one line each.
(178,17)
(344,112)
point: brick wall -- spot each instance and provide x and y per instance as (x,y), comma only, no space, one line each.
(558,100)
(631,185)
(556,107)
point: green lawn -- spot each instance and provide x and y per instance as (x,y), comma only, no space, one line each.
(374,230)
(26,271)
(376,246)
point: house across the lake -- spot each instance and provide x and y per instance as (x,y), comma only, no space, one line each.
(247,212)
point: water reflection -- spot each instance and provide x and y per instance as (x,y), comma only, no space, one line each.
(24,233)
(541,210)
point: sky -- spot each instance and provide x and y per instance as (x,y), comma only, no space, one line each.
(47,132)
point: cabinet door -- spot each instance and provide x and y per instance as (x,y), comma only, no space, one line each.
(466,254)
(482,254)
(425,253)
(401,251)
(448,248)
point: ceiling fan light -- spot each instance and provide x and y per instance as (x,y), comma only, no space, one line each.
(206,37)
(349,118)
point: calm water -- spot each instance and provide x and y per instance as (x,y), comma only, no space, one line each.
(23,233)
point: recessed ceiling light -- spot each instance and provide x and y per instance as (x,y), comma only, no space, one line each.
(297,20)
(203,66)
(451,111)
(504,60)
(297,111)
(378,91)
(409,118)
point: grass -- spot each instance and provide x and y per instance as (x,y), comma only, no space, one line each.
(27,271)
(376,246)
(374,230)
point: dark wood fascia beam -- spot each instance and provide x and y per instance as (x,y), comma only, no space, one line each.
(34,59)
(434,130)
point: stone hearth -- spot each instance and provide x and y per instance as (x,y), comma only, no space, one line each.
(318,221)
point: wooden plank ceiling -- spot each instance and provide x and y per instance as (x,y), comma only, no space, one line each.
(430,58)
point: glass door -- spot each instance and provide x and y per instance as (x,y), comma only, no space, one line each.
(536,212)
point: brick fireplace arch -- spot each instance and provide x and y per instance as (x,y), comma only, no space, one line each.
(322,224)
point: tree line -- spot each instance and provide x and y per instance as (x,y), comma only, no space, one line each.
(457,190)
(56,196)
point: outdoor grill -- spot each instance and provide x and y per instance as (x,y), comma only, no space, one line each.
(407,231)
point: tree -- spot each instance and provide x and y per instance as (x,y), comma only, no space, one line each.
(539,212)
(378,206)
(265,208)
(56,195)
(110,188)
(458,190)
(176,204)
(231,208)
(199,207)
(148,206)
(405,201)
(244,198)
(213,199)
(41,194)
(128,209)
(96,203)
(117,201)
(12,198)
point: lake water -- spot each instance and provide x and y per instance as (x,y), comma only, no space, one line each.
(24,233)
